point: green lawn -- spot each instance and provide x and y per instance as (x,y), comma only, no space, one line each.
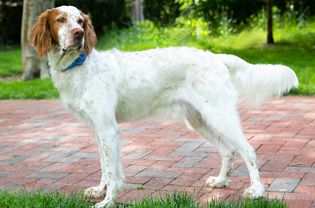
(295,47)
(10,61)
(34,89)
(39,199)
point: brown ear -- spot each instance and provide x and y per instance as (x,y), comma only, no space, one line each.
(40,37)
(89,35)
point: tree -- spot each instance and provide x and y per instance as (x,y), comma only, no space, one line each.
(137,10)
(33,67)
(270,39)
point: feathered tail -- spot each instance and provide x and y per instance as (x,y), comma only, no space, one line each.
(256,83)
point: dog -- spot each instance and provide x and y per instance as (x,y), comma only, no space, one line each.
(105,88)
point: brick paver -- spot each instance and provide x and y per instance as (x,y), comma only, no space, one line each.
(44,146)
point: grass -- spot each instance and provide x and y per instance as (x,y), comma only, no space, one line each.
(10,62)
(295,47)
(34,89)
(39,199)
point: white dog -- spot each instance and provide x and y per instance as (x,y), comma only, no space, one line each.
(106,88)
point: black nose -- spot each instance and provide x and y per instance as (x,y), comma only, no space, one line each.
(77,33)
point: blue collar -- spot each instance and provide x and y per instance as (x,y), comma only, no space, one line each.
(77,62)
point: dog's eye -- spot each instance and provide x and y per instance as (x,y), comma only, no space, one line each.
(80,21)
(61,20)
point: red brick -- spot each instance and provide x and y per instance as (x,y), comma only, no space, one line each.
(282,131)
(217,194)
(135,195)
(157,183)
(132,170)
(310,190)
(164,150)
(139,180)
(302,161)
(269,148)
(309,180)
(276,165)
(298,203)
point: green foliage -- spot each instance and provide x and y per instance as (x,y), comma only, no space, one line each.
(228,17)
(34,89)
(295,48)
(10,62)
(145,36)
(161,12)
(179,200)
(220,12)
(104,13)
(140,187)
(10,21)
(39,199)
(175,200)
(287,19)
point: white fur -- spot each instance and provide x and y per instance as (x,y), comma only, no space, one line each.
(269,80)
(178,82)
(64,32)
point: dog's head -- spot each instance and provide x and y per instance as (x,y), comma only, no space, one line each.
(65,27)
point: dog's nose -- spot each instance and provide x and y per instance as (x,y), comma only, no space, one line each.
(77,33)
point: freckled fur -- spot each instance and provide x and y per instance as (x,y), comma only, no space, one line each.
(47,33)
(198,86)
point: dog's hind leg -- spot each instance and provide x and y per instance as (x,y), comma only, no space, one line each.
(226,150)
(224,121)
(227,155)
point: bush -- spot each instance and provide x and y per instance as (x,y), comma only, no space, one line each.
(10,21)
(161,12)
(104,13)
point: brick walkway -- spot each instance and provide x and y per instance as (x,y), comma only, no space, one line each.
(43,146)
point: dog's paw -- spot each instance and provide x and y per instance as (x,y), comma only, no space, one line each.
(95,192)
(255,191)
(216,182)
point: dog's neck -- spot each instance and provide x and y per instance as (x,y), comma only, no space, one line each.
(59,60)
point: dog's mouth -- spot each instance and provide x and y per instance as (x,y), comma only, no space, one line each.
(74,47)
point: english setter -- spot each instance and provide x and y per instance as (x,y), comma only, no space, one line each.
(108,87)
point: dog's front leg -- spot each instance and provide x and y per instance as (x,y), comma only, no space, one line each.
(97,192)
(107,133)
(112,174)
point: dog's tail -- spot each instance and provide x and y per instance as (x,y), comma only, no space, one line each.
(259,82)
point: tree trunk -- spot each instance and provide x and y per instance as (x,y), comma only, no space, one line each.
(137,10)
(270,39)
(33,67)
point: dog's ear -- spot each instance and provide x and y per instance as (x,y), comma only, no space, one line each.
(40,37)
(89,34)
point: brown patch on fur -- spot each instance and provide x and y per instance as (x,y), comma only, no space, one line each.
(40,37)
(54,26)
(45,32)
(89,34)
